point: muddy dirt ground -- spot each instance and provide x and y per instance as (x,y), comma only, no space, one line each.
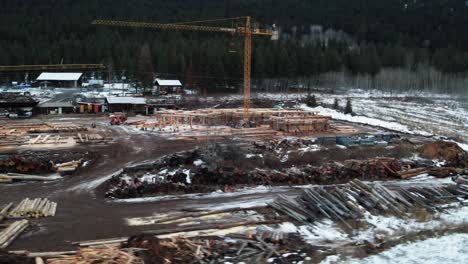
(83,212)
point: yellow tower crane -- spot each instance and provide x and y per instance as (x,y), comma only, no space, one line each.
(246,30)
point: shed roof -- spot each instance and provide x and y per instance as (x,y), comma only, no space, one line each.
(59,76)
(168,82)
(55,104)
(125,100)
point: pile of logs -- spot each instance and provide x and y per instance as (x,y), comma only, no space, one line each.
(236,248)
(462,185)
(350,201)
(56,128)
(9,234)
(34,208)
(92,139)
(405,174)
(67,167)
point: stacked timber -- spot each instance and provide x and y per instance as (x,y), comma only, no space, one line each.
(34,208)
(9,234)
(11,177)
(67,167)
(405,174)
(56,128)
(92,139)
(351,201)
(462,185)
(239,248)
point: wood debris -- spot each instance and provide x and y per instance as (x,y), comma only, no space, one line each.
(99,255)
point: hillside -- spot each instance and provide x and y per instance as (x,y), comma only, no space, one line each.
(385,33)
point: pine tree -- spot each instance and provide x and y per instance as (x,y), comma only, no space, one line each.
(311,101)
(146,70)
(336,104)
(349,107)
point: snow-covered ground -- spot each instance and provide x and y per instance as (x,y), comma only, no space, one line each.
(415,112)
(446,249)
(424,114)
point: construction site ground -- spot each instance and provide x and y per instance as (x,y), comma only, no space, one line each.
(85,213)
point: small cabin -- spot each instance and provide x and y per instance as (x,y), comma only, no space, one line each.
(164,87)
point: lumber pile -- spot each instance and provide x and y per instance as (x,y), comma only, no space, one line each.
(350,201)
(405,174)
(34,208)
(462,185)
(304,124)
(11,177)
(99,255)
(56,128)
(9,234)
(238,249)
(67,167)
(92,139)
(55,139)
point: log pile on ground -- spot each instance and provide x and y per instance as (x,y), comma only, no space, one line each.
(92,138)
(100,255)
(226,167)
(176,174)
(40,162)
(67,167)
(234,249)
(348,202)
(34,208)
(11,177)
(256,247)
(9,234)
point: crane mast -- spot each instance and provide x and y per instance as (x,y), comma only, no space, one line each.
(245,30)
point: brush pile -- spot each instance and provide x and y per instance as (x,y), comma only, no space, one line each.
(99,255)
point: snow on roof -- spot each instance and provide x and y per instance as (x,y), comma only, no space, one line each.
(59,76)
(125,100)
(56,104)
(168,82)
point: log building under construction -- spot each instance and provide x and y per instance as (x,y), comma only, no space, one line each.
(284,120)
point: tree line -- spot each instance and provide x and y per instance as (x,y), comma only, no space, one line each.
(384,34)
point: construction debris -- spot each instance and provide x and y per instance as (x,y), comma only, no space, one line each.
(34,208)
